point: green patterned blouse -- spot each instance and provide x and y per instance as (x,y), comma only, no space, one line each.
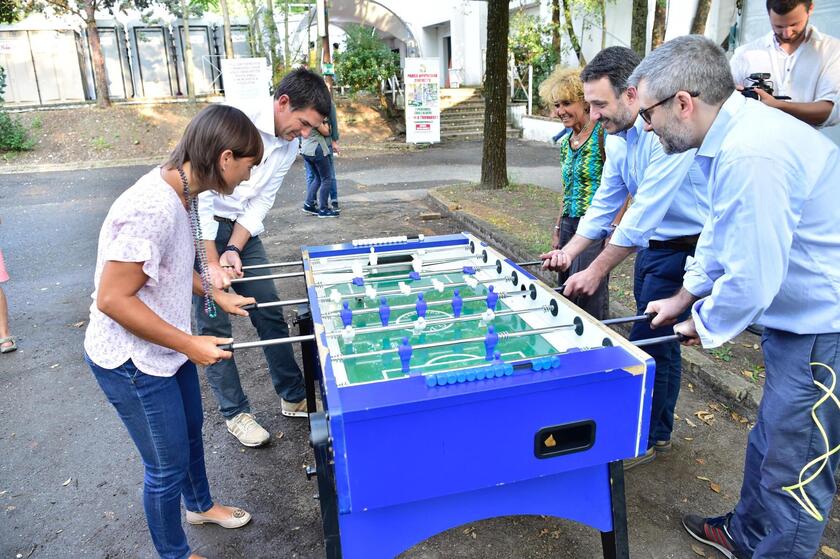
(581,169)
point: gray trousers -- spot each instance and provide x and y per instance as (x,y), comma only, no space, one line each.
(598,304)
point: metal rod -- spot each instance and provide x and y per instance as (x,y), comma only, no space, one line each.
(530,263)
(273,265)
(660,340)
(637,318)
(405,263)
(263,343)
(502,336)
(437,303)
(411,291)
(401,252)
(268,277)
(403,277)
(436,321)
(285,303)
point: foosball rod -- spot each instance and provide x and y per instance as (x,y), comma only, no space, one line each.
(263,343)
(403,263)
(268,277)
(660,340)
(286,303)
(273,265)
(502,336)
(411,291)
(435,303)
(437,321)
(402,276)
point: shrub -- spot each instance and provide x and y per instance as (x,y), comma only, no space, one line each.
(14,136)
(365,61)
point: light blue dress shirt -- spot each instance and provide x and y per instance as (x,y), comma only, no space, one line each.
(669,193)
(770,252)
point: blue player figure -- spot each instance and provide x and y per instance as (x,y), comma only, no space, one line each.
(457,304)
(346,315)
(404,352)
(492,298)
(384,311)
(490,341)
(421,306)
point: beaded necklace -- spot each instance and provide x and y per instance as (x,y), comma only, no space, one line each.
(195,225)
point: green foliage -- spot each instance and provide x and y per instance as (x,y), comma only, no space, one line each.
(529,41)
(100,143)
(724,353)
(365,60)
(14,136)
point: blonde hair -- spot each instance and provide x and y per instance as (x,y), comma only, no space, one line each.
(562,85)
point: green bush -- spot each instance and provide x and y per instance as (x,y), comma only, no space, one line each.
(529,41)
(365,61)
(14,136)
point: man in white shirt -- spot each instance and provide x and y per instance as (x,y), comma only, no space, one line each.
(803,64)
(231,226)
(769,254)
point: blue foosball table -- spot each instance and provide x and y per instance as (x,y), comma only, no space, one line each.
(456,386)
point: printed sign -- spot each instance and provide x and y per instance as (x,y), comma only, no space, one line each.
(422,100)
(247,84)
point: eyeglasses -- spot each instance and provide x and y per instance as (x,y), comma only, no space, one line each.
(645,113)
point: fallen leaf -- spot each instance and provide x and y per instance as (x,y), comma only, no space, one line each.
(755,346)
(66,483)
(714,487)
(688,438)
(830,552)
(698,550)
(700,461)
(701,478)
(714,406)
(690,423)
(677,417)
(280,435)
(54,366)
(78,324)
(705,417)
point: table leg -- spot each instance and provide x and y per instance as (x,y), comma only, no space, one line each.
(615,543)
(309,355)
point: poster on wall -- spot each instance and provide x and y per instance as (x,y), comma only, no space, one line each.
(247,87)
(422,100)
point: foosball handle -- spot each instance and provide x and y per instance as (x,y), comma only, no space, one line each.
(560,288)
(226,347)
(249,307)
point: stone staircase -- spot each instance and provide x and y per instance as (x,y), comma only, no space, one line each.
(462,115)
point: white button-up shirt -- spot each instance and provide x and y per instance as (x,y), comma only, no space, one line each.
(669,193)
(770,250)
(810,73)
(251,200)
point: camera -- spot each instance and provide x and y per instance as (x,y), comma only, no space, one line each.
(760,80)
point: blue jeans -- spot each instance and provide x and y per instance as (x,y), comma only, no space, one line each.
(323,179)
(597,304)
(658,275)
(270,324)
(163,415)
(768,523)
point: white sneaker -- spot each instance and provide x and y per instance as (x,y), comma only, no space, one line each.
(293,409)
(244,427)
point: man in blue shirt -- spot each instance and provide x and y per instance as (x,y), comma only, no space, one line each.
(768,254)
(668,211)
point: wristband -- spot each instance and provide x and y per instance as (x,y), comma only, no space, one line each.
(232,248)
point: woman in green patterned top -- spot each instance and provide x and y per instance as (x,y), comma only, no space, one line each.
(581,161)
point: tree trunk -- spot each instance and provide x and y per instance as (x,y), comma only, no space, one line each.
(638,27)
(271,30)
(570,30)
(188,58)
(286,59)
(603,11)
(100,77)
(494,152)
(698,24)
(226,27)
(256,41)
(555,27)
(660,18)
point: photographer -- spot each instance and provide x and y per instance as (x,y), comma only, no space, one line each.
(803,64)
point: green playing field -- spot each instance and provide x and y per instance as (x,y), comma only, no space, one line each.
(436,359)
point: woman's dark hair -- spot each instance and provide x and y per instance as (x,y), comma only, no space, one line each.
(213,130)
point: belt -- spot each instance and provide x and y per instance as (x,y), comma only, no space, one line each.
(680,243)
(224,220)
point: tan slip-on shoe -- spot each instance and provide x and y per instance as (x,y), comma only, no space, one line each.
(293,409)
(237,519)
(244,427)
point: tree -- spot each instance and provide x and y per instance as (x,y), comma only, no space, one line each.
(365,61)
(638,27)
(529,45)
(270,26)
(660,19)
(555,26)
(698,23)
(226,29)
(188,59)
(494,152)
(570,31)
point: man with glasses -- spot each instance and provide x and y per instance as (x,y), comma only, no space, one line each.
(768,253)
(662,224)
(803,65)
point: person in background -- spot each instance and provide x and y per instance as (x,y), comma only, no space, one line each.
(232,226)
(138,343)
(767,253)
(582,157)
(318,150)
(7,341)
(803,63)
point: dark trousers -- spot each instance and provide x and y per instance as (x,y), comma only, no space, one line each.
(597,304)
(659,275)
(768,523)
(270,324)
(323,179)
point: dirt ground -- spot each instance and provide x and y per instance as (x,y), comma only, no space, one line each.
(136,132)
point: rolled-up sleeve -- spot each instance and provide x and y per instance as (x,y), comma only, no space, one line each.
(663,177)
(754,217)
(611,194)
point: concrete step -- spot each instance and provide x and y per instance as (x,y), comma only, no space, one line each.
(461,119)
(444,127)
(471,105)
(465,136)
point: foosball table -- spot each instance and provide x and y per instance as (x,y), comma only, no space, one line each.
(456,386)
